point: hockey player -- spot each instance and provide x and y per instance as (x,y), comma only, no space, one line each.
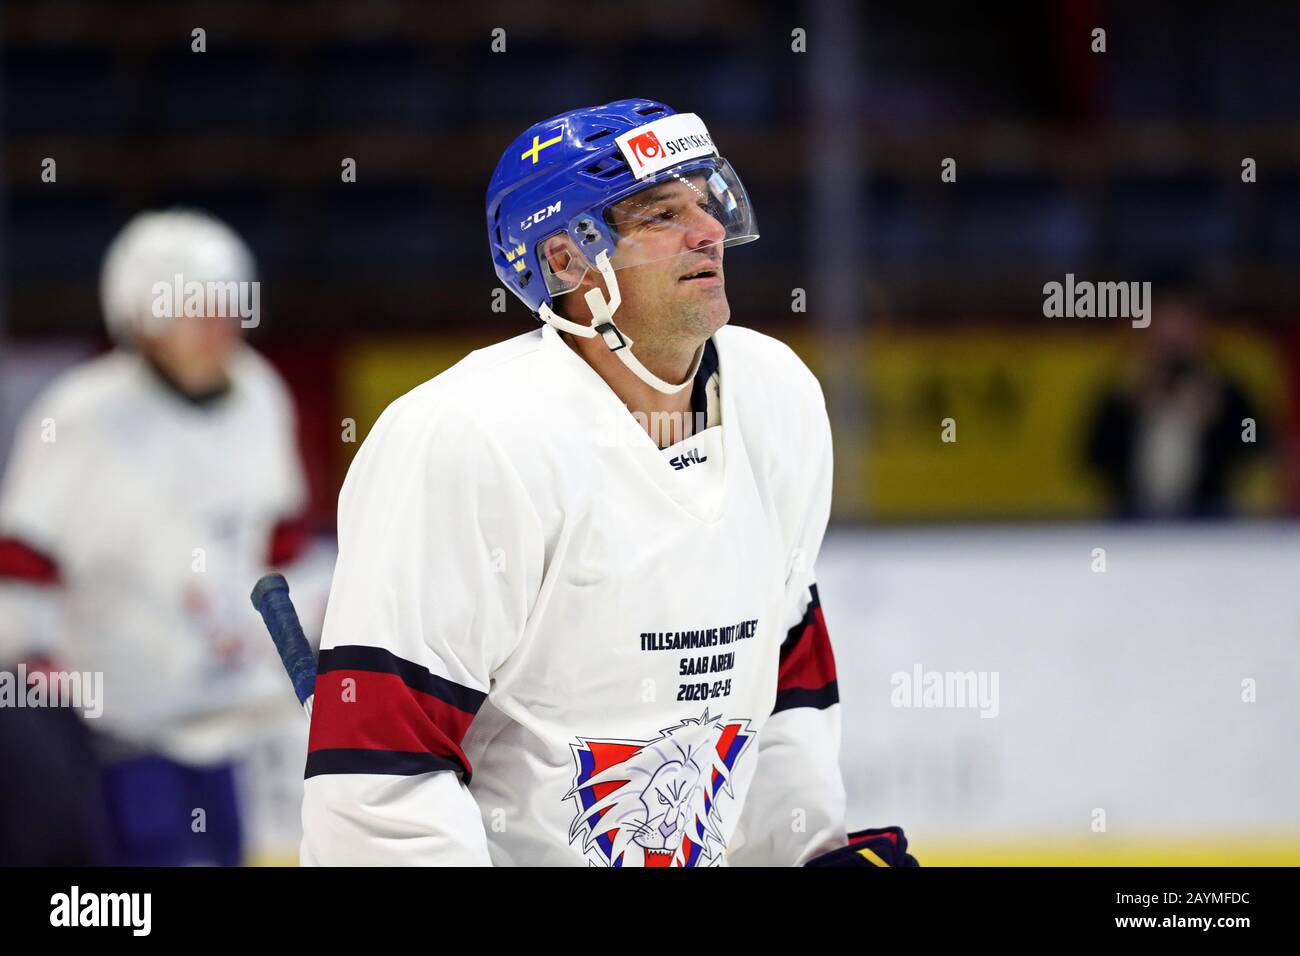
(146,489)
(574,618)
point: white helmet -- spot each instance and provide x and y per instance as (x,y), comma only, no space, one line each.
(156,247)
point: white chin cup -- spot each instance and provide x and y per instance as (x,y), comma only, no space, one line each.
(602,324)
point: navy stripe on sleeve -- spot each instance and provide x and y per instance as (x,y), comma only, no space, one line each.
(358,657)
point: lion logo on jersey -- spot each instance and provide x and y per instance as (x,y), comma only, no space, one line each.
(655,802)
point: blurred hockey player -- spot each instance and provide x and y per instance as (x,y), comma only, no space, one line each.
(147,490)
(575,619)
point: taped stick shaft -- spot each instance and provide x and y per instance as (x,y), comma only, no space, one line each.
(271,599)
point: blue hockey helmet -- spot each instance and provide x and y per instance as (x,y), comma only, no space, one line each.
(579,174)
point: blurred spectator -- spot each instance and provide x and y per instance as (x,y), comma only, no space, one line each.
(1167,439)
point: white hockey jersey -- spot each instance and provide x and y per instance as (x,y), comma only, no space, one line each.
(133,524)
(551,642)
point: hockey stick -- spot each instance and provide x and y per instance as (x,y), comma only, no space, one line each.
(271,599)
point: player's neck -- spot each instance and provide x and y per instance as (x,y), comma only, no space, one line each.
(648,404)
(199,389)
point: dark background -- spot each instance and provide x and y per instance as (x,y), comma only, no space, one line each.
(1120,165)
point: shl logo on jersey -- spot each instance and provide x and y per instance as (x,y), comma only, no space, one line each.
(692,457)
(657,802)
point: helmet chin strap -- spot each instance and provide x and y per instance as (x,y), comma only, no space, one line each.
(602,324)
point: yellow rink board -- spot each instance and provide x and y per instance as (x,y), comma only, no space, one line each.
(1106,851)
(1020,404)
(1099,851)
(1020,401)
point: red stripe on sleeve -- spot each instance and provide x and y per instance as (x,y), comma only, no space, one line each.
(380,712)
(21,562)
(288,540)
(808,663)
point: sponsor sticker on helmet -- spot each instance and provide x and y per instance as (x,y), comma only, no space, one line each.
(665,142)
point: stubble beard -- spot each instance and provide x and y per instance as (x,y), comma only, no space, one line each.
(686,324)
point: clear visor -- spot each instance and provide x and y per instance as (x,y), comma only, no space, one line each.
(689,210)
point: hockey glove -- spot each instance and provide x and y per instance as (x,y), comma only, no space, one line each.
(884,846)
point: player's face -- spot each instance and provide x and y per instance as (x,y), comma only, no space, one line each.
(680,291)
(195,349)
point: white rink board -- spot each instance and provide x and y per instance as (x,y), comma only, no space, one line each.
(1120,691)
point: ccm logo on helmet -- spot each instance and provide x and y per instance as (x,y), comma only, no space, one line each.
(540,216)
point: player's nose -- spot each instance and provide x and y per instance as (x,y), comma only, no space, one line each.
(704,230)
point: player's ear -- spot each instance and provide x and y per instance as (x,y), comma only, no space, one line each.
(563,258)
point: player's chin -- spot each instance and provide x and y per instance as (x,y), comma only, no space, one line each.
(712,316)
